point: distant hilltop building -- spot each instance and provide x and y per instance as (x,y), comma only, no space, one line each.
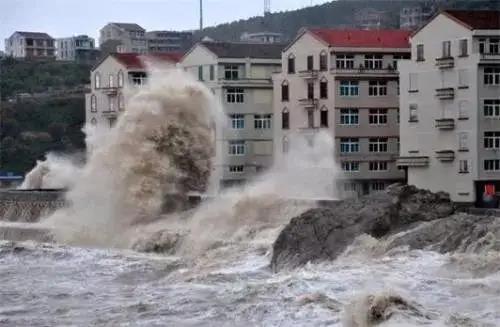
(79,48)
(169,41)
(262,37)
(411,18)
(123,38)
(370,18)
(30,45)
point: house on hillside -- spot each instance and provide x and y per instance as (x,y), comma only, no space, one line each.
(344,82)
(239,74)
(30,45)
(112,77)
(450,107)
(80,49)
(123,38)
(169,41)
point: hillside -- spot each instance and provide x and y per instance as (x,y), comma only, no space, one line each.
(332,14)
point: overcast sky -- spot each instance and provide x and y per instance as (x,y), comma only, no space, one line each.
(61,18)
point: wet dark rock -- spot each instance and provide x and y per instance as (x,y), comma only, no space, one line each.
(324,233)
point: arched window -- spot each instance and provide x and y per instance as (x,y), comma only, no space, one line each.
(121,102)
(285,119)
(93,121)
(120,79)
(93,103)
(285,91)
(323,61)
(286,144)
(111,104)
(97,80)
(324,117)
(111,80)
(291,64)
(323,88)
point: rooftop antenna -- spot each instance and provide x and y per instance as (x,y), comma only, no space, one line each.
(267,7)
(201,15)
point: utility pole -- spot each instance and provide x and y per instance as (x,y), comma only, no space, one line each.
(201,15)
(267,7)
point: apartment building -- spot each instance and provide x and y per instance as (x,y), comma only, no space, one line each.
(262,37)
(79,48)
(116,76)
(169,41)
(123,38)
(450,107)
(370,18)
(411,18)
(239,74)
(344,82)
(30,45)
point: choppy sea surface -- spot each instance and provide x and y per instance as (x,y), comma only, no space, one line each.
(56,285)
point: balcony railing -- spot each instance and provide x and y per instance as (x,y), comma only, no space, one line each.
(309,103)
(490,57)
(309,74)
(445,93)
(387,71)
(445,62)
(420,161)
(246,82)
(113,90)
(110,113)
(445,123)
(445,155)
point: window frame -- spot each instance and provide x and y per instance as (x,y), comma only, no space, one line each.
(492,105)
(310,63)
(377,88)
(236,169)
(291,64)
(463,47)
(344,61)
(348,116)
(93,103)
(378,116)
(491,140)
(237,148)
(231,72)
(491,76)
(374,62)
(446,49)
(323,89)
(237,121)
(235,95)
(323,117)
(323,61)
(378,145)
(350,166)
(285,119)
(420,52)
(285,91)
(349,145)
(378,166)
(413,113)
(491,165)
(121,78)
(97,80)
(262,121)
(347,88)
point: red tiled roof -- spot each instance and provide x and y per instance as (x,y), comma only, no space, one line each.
(476,19)
(364,38)
(135,60)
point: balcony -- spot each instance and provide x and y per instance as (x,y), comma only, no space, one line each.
(489,58)
(445,93)
(110,114)
(421,161)
(246,82)
(309,74)
(445,62)
(365,72)
(445,123)
(309,103)
(445,155)
(110,90)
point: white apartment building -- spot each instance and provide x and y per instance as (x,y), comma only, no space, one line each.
(262,37)
(30,45)
(79,48)
(239,74)
(345,82)
(114,77)
(450,107)
(123,38)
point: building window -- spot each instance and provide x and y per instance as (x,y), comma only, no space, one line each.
(93,121)
(231,72)
(492,165)
(446,51)
(93,103)
(349,88)
(310,118)
(378,116)
(378,186)
(494,46)
(285,119)
(262,121)
(349,145)
(285,91)
(120,79)
(378,145)
(413,81)
(237,148)
(464,166)
(237,169)
(350,187)
(463,48)
(350,166)
(396,59)
(310,63)
(323,61)
(377,88)
(235,95)
(344,61)
(212,72)
(97,80)
(121,102)
(237,121)
(111,80)
(111,105)
(492,76)
(373,61)
(291,64)
(323,117)
(462,141)
(310,90)
(463,109)
(349,116)
(378,166)
(200,73)
(420,52)
(463,78)
(482,45)
(285,145)
(491,108)
(492,140)
(323,89)
(413,113)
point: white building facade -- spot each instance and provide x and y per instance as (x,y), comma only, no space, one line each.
(450,107)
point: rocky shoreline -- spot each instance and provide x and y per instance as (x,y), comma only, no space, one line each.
(401,216)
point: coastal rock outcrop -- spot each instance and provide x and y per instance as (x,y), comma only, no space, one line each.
(324,233)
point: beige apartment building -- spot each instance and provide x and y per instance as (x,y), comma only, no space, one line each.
(123,38)
(450,107)
(116,75)
(239,74)
(30,45)
(345,82)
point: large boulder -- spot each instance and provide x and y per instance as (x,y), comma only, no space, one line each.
(324,233)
